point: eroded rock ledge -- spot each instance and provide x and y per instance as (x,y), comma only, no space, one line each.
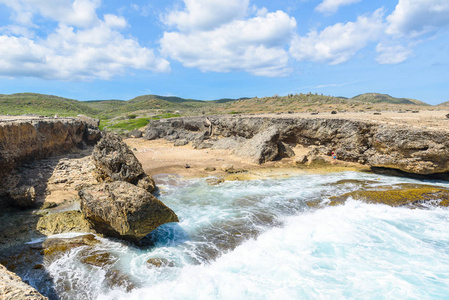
(412,150)
(29,139)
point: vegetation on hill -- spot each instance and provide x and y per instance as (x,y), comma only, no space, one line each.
(30,103)
(135,113)
(384,98)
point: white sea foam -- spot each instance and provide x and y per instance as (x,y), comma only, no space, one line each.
(282,249)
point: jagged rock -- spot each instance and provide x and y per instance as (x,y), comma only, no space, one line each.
(408,149)
(23,197)
(122,210)
(262,147)
(12,287)
(115,161)
(67,221)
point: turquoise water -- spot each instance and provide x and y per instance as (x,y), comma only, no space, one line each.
(260,240)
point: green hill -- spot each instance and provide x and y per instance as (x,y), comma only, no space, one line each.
(384,98)
(31,103)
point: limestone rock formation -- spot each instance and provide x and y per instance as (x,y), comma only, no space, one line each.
(115,161)
(29,139)
(12,287)
(411,150)
(262,147)
(120,209)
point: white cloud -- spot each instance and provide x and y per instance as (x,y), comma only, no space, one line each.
(416,17)
(392,53)
(338,43)
(80,13)
(255,45)
(206,14)
(94,49)
(331,6)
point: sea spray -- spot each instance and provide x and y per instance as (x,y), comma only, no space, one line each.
(261,240)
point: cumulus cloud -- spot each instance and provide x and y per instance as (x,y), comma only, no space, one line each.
(255,45)
(416,17)
(81,47)
(206,14)
(69,12)
(338,43)
(392,53)
(331,6)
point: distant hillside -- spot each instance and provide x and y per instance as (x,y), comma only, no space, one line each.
(30,103)
(384,98)
(150,105)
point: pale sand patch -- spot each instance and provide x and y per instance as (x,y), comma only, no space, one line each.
(161,157)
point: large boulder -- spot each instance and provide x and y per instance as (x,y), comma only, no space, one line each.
(262,147)
(122,210)
(114,161)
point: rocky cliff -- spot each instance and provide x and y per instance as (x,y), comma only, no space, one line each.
(28,139)
(411,150)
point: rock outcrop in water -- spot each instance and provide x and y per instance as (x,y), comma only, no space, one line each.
(410,150)
(122,210)
(122,206)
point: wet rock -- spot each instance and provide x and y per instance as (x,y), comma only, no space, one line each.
(58,246)
(114,278)
(122,210)
(13,288)
(68,221)
(115,161)
(399,195)
(101,260)
(159,263)
(215,181)
(362,183)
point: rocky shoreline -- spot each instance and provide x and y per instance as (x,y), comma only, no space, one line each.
(413,151)
(46,158)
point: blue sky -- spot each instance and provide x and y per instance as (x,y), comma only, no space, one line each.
(211,49)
